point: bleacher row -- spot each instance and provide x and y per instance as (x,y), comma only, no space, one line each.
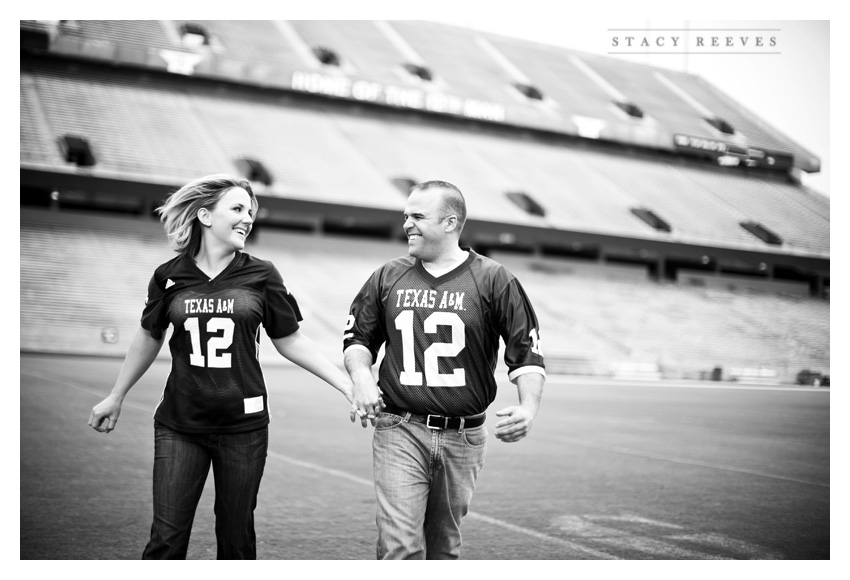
(464,63)
(174,133)
(84,278)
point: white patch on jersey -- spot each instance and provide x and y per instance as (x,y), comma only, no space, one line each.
(253,405)
(169,284)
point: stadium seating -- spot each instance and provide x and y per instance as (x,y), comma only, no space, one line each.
(361,47)
(134,128)
(456,58)
(143,34)
(780,209)
(159,109)
(268,53)
(83,275)
(558,78)
(333,157)
(686,331)
(83,280)
(742,120)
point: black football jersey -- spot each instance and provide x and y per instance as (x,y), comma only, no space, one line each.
(216,384)
(442,334)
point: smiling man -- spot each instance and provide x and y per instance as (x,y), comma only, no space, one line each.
(440,313)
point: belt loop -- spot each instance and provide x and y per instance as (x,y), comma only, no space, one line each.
(462,420)
(406,417)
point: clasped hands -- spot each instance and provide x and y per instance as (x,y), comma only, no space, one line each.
(367,402)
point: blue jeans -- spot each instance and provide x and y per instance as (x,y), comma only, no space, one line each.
(424,480)
(181,464)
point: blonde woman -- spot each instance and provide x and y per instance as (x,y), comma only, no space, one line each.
(214,409)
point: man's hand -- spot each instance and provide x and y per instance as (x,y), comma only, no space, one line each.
(515,425)
(518,419)
(367,402)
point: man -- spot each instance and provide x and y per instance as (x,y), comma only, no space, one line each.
(439,312)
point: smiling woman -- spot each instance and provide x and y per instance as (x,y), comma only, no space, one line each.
(226,227)
(214,409)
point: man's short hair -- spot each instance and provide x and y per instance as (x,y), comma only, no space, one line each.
(453,201)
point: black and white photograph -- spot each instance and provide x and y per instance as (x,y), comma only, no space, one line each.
(481,283)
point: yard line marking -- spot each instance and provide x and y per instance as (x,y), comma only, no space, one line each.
(655,537)
(320,468)
(627,451)
(84,389)
(749,550)
(635,520)
(566,543)
(563,380)
(475,515)
(568,441)
(586,527)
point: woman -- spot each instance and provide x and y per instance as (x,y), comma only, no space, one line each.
(214,409)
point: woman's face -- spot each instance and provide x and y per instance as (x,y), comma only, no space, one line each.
(230,219)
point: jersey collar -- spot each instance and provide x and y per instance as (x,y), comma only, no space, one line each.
(221,275)
(457,271)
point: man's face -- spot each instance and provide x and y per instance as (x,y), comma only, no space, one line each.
(426,232)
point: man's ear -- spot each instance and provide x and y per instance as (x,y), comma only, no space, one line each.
(204,216)
(451,223)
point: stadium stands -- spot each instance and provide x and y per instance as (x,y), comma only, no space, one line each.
(179,134)
(134,128)
(161,102)
(686,331)
(85,274)
(360,45)
(801,228)
(465,64)
(84,278)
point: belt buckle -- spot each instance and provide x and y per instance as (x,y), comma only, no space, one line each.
(444,426)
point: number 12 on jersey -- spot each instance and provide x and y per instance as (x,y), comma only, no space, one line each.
(215,343)
(433,376)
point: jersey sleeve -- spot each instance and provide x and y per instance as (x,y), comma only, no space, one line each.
(154,316)
(281,315)
(520,330)
(364,327)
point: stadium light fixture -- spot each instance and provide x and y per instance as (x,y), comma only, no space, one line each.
(254,170)
(721,125)
(651,218)
(404,184)
(326,55)
(193,35)
(37,34)
(529,91)
(420,71)
(526,203)
(762,233)
(630,109)
(76,149)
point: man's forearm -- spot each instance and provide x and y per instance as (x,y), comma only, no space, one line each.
(358,363)
(530,390)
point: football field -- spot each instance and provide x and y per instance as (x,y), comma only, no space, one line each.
(611,470)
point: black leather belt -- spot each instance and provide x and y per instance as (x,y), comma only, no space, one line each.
(440,422)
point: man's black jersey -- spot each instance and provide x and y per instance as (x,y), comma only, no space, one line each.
(442,334)
(216,384)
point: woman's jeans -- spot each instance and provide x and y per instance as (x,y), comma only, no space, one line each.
(424,480)
(181,464)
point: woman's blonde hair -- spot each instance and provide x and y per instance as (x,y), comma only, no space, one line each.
(179,213)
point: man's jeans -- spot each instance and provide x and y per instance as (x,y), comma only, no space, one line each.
(181,464)
(424,481)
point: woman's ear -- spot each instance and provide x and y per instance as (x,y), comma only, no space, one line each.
(204,217)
